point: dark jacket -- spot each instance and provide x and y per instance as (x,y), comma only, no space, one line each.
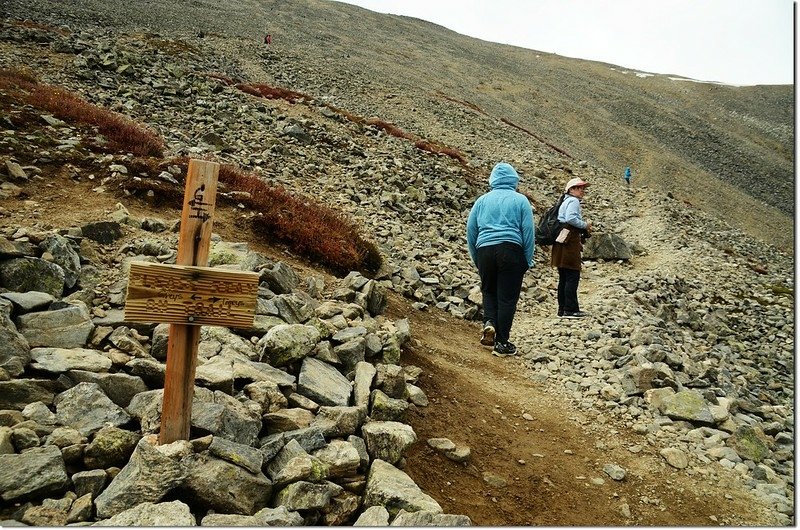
(567,255)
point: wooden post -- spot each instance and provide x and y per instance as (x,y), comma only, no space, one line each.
(193,248)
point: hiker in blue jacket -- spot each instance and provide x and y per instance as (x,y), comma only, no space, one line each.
(627,176)
(500,237)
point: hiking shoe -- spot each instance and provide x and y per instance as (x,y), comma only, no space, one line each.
(504,349)
(487,337)
(575,314)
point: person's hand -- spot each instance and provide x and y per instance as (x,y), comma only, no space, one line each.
(589,227)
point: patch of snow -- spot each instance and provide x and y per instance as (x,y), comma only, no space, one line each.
(699,81)
(638,74)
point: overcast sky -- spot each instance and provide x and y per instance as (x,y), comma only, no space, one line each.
(740,42)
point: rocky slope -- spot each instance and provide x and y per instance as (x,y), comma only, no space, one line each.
(726,149)
(693,350)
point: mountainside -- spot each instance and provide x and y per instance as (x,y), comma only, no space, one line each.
(672,405)
(723,148)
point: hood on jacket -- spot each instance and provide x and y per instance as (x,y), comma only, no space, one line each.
(503,177)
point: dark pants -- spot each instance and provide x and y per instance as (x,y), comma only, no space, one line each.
(501,268)
(568,290)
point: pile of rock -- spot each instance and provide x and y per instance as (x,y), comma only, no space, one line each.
(299,420)
(698,357)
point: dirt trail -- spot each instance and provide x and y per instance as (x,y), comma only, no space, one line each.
(549,463)
(548,469)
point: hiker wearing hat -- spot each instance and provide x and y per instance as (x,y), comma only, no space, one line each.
(500,236)
(566,255)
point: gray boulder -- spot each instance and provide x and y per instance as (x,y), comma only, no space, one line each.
(35,473)
(293,308)
(375,297)
(385,408)
(388,440)
(63,437)
(150,371)
(225,416)
(64,256)
(309,438)
(173,513)
(351,353)
(287,420)
(391,488)
(69,327)
(152,472)
(216,374)
(281,278)
(373,516)
(362,383)
(146,408)
(267,394)
(110,447)
(323,383)
(391,379)
(429,518)
(86,408)
(16,394)
(29,301)
(688,405)
(303,495)
(750,443)
(341,509)
(119,387)
(286,343)
(293,463)
(244,370)
(14,347)
(226,487)
(340,421)
(340,457)
(58,360)
(242,455)
(606,246)
(279,516)
(32,274)
(89,482)
(81,509)
(16,249)
(104,232)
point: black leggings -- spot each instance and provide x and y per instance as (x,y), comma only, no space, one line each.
(568,290)
(501,268)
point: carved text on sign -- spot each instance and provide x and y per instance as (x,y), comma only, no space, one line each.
(198,208)
(190,295)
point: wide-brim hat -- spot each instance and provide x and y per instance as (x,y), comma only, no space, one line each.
(575,183)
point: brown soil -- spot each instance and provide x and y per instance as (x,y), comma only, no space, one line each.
(548,463)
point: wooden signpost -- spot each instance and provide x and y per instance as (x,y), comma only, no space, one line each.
(188,295)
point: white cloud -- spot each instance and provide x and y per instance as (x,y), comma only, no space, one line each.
(733,41)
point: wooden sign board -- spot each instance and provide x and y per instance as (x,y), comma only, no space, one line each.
(181,294)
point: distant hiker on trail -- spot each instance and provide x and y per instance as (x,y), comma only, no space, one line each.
(500,237)
(566,255)
(267,39)
(627,176)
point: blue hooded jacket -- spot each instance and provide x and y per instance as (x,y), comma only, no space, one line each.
(502,215)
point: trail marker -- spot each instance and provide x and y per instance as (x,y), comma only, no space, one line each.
(188,295)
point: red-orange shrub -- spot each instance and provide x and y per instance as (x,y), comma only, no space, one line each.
(310,228)
(271,92)
(120,130)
